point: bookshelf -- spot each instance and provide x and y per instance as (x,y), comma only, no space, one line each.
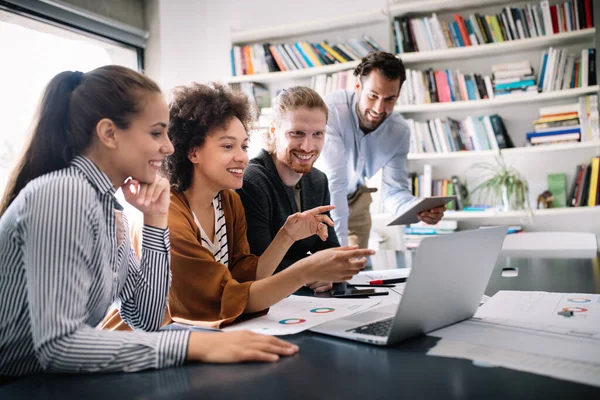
(538,98)
(548,212)
(497,48)
(522,215)
(517,111)
(425,56)
(283,76)
(516,151)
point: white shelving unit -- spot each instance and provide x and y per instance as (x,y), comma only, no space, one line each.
(548,212)
(289,75)
(424,56)
(506,100)
(518,215)
(497,48)
(517,111)
(562,147)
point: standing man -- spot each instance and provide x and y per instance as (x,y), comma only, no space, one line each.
(364,135)
(281,180)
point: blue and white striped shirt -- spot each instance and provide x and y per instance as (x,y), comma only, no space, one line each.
(62,266)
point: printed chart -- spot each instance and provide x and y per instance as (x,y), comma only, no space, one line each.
(299,313)
(540,310)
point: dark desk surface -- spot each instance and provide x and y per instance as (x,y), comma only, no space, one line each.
(328,368)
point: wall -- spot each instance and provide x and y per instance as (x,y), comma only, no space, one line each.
(130,12)
(152,53)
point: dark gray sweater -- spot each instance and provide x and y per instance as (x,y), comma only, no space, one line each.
(268,203)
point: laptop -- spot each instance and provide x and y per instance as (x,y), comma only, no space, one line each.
(445,286)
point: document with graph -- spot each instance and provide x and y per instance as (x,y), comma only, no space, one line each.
(552,334)
(295,314)
(575,314)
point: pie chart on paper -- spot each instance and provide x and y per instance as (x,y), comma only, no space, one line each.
(292,321)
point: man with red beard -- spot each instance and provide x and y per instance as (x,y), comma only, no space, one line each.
(281,180)
(365,135)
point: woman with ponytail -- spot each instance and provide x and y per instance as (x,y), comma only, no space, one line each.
(65,255)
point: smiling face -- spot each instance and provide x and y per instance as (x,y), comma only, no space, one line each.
(142,147)
(299,138)
(376,99)
(219,164)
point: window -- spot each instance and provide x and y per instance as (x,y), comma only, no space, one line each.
(32,53)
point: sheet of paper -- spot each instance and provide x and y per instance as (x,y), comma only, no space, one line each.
(539,311)
(366,276)
(554,367)
(295,314)
(522,330)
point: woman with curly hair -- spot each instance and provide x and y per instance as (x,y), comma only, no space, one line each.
(215,278)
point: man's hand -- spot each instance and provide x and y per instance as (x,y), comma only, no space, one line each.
(432,216)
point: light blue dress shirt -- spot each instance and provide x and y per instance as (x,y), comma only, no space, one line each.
(349,156)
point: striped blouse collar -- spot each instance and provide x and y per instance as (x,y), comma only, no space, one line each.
(93,174)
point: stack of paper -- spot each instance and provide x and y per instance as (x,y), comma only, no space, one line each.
(523,331)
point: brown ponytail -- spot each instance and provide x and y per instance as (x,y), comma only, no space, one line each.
(72,105)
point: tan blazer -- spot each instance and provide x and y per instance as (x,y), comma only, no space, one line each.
(203,291)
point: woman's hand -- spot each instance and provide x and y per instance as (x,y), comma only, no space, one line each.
(334,265)
(149,198)
(152,199)
(234,347)
(302,225)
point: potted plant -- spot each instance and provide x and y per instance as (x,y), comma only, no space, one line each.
(500,185)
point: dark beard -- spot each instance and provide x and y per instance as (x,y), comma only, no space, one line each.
(365,125)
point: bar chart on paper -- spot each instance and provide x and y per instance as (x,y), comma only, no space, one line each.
(295,314)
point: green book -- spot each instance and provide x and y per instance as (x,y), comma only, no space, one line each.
(451,205)
(557,185)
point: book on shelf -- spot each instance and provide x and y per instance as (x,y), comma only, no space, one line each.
(585,188)
(573,122)
(441,86)
(560,70)
(262,58)
(515,77)
(557,185)
(326,83)
(431,33)
(415,233)
(423,185)
(511,228)
(256,92)
(446,135)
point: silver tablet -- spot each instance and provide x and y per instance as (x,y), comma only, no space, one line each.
(408,214)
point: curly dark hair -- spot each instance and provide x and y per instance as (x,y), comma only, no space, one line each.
(387,64)
(195,111)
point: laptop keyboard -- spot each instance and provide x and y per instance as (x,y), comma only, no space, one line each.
(379,328)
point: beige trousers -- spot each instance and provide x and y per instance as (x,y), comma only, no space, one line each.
(359,219)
